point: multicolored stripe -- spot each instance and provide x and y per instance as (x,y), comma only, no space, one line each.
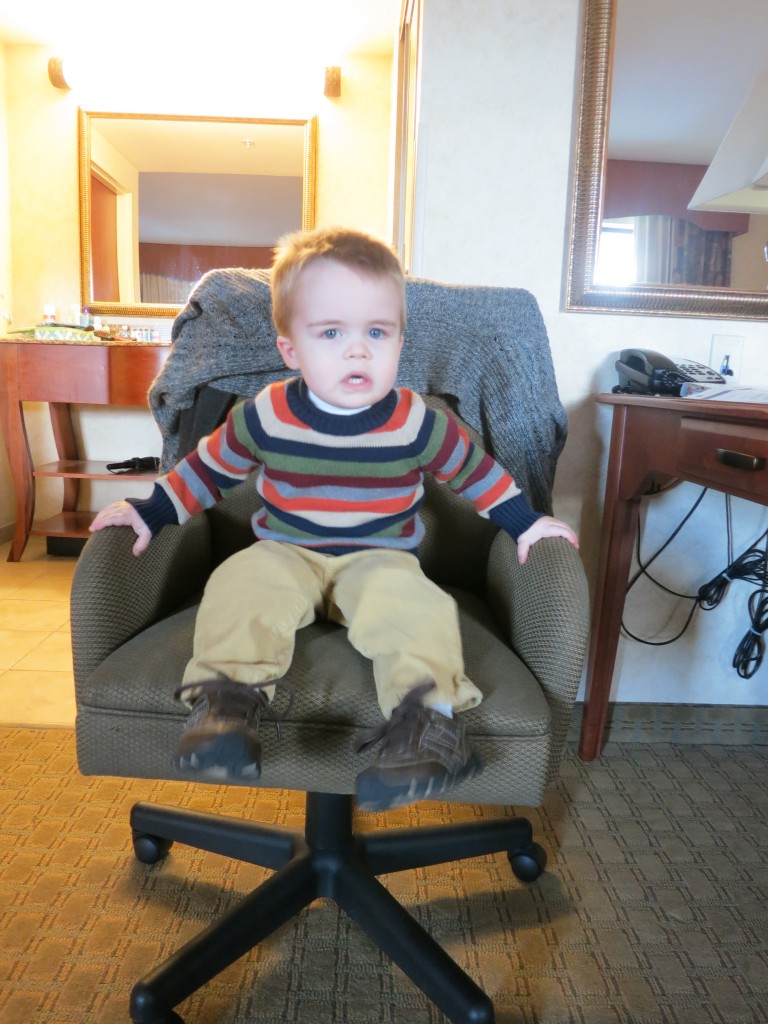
(337,483)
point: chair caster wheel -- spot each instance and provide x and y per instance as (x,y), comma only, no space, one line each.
(149,850)
(529,863)
(144,1009)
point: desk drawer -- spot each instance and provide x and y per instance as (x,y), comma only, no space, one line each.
(729,456)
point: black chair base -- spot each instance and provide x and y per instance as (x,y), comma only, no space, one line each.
(329,860)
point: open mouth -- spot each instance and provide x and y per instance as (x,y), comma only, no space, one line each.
(356,380)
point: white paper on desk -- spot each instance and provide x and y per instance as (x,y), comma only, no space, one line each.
(724,393)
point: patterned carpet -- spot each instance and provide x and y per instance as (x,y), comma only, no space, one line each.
(653,910)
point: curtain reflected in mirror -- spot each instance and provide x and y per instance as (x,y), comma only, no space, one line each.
(663,251)
(164,199)
(649,236)
(635,245)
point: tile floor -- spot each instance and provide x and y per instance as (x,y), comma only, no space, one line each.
(36,684)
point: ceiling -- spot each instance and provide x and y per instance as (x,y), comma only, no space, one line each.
(682,70)
(348,26)
(198,146)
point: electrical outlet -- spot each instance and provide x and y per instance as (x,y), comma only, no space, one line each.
(725,356)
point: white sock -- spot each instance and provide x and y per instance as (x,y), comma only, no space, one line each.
(444,709)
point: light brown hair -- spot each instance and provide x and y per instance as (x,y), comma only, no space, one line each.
(354,249)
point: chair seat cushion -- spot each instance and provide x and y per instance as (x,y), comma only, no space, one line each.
(335,701)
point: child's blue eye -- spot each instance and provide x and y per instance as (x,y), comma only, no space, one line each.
(376,332)
(331,333)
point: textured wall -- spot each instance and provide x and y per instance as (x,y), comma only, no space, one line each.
(497,106)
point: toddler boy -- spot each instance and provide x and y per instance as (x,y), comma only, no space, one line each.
(340,455)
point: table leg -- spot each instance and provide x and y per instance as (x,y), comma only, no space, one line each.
(66,447)
(620,524)
(17,447)
(620,516)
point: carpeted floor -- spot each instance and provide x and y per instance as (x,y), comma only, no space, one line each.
(653,910)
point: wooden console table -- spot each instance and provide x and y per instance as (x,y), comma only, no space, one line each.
(723,445)
(62,374)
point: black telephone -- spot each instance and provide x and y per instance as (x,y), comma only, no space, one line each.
(644,372)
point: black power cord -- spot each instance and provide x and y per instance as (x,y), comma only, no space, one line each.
(643,571)
(748,656)
(751,566)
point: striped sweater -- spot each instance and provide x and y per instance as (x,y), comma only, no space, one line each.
(335,483)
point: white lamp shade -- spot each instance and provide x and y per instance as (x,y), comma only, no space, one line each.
(737,179)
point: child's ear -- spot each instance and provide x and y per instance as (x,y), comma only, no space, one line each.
(287,351)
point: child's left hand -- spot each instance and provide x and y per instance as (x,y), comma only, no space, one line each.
(544,527)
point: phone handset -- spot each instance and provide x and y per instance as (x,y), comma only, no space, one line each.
(645,372)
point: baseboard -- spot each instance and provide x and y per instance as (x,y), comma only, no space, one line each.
(6,533)
(722,724)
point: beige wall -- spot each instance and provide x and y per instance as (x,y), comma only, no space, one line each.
(43,238)
(5,203)
(6,496)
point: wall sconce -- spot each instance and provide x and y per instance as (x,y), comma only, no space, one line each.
(56,73)
(333,82)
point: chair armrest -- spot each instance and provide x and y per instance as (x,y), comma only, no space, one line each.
(116,595)
(543,606)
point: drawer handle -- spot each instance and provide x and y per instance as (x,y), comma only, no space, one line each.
(740,460)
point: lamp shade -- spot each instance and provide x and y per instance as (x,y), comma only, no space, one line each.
(737,178)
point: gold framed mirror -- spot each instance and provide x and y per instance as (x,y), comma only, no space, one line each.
(583,292)
(164,198)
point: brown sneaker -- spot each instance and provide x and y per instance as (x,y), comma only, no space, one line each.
(220,739)
(424,755)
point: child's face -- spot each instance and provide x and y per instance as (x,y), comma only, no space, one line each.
(345,334)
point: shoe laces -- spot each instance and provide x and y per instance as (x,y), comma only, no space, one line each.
(254,698)
(410,712)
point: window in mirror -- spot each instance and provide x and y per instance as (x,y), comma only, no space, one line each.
(616,263)
(164,199)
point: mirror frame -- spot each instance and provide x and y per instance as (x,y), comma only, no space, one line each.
(582,294)
(308,211)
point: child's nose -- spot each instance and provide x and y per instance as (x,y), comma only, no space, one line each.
(358,346)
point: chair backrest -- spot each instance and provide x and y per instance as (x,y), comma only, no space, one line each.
(485,350)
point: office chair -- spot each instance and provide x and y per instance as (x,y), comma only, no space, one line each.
(524,630)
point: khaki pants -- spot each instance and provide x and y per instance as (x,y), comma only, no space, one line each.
(256,600)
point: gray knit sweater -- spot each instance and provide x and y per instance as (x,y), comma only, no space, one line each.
(484,349)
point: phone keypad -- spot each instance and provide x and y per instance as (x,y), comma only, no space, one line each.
(698,373)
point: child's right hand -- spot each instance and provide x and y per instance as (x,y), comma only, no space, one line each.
(122,513)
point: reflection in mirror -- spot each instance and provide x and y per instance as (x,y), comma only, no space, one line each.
(163,199)
(635,245)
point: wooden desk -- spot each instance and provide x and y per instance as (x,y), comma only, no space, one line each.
(723,445)
(62,374)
